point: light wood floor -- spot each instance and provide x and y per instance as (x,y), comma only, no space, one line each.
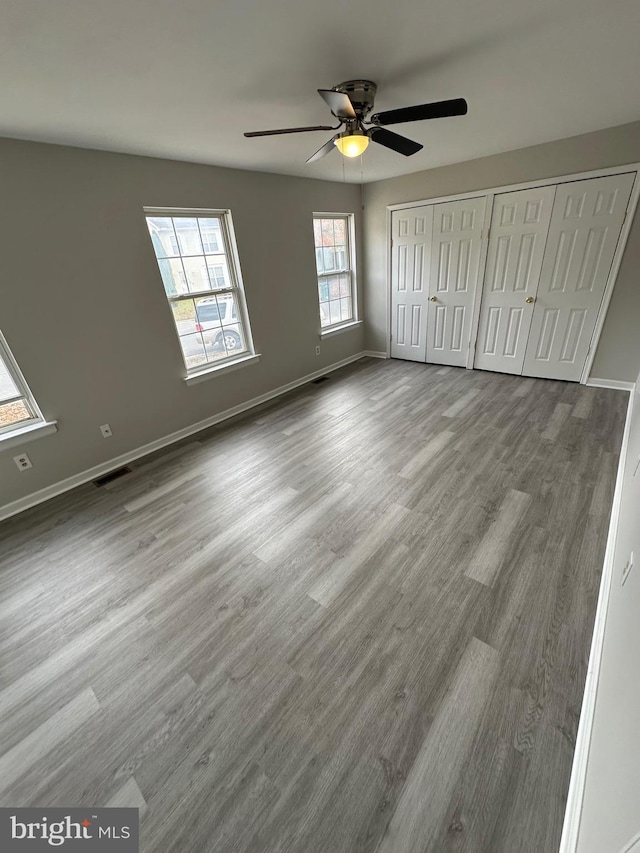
(356,619)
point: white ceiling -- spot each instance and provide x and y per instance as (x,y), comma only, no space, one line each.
(184,79)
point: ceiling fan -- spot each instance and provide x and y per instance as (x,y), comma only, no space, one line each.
(351,102)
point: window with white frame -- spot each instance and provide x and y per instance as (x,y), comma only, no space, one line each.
(199,267)
(333,238)
(17,407)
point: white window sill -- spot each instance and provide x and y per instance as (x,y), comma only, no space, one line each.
(227,367)
(335,330)
(28,433)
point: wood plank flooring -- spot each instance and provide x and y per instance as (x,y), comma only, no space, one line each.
(355,619)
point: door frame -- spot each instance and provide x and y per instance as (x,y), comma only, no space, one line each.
(490,194)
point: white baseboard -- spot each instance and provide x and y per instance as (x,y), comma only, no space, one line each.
(373,354)
(573,811)
(103,468)
(616,384)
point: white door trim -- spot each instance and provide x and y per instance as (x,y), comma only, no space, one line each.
(542,182)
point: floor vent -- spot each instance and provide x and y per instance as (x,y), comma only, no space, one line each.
(320,380)
(111,476)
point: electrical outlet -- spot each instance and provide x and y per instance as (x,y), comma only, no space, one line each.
(317,350)
(23,462)
(627,569)
(105,429)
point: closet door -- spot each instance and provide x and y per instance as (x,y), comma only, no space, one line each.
(411,234)
(455,262)
(585,227)
(519,227)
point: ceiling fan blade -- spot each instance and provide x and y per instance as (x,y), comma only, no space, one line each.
(327,148)
(290,130)
(394,141)
(438,109)
(338,102)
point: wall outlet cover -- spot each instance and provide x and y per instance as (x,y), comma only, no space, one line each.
(23,462)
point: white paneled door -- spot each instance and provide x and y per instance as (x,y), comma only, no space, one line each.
(411,231)
(519,228)
(455,262)
(584,231)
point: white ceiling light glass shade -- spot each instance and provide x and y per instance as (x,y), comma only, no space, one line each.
(352,144)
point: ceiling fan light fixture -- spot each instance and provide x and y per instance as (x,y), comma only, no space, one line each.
(352,144)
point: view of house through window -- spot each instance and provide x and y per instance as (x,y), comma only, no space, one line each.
(17,406)
(202,284)
(332,239)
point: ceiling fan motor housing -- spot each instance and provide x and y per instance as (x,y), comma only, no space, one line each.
(361,93)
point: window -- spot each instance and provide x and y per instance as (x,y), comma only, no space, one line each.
(333,237)
(17,407)
(201,276)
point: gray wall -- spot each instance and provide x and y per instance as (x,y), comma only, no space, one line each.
(83,308)
(619,349)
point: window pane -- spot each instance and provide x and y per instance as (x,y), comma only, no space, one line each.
(218,320)
(233,339)
(329,259)
(8,387)
(197,274)
(184,315)
(346,311)
(163,236)
(173,276)
(188,235)
(317,233)
(323,289)
(218,272)
(209,313)
(221,327)
(211,235)
(334,287)
(334,311)
(327,232)
(345,285)
(339,232)
(13,413)
(324,315)
(193,350)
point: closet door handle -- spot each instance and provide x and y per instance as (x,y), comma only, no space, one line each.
(529,299)
(433,298)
